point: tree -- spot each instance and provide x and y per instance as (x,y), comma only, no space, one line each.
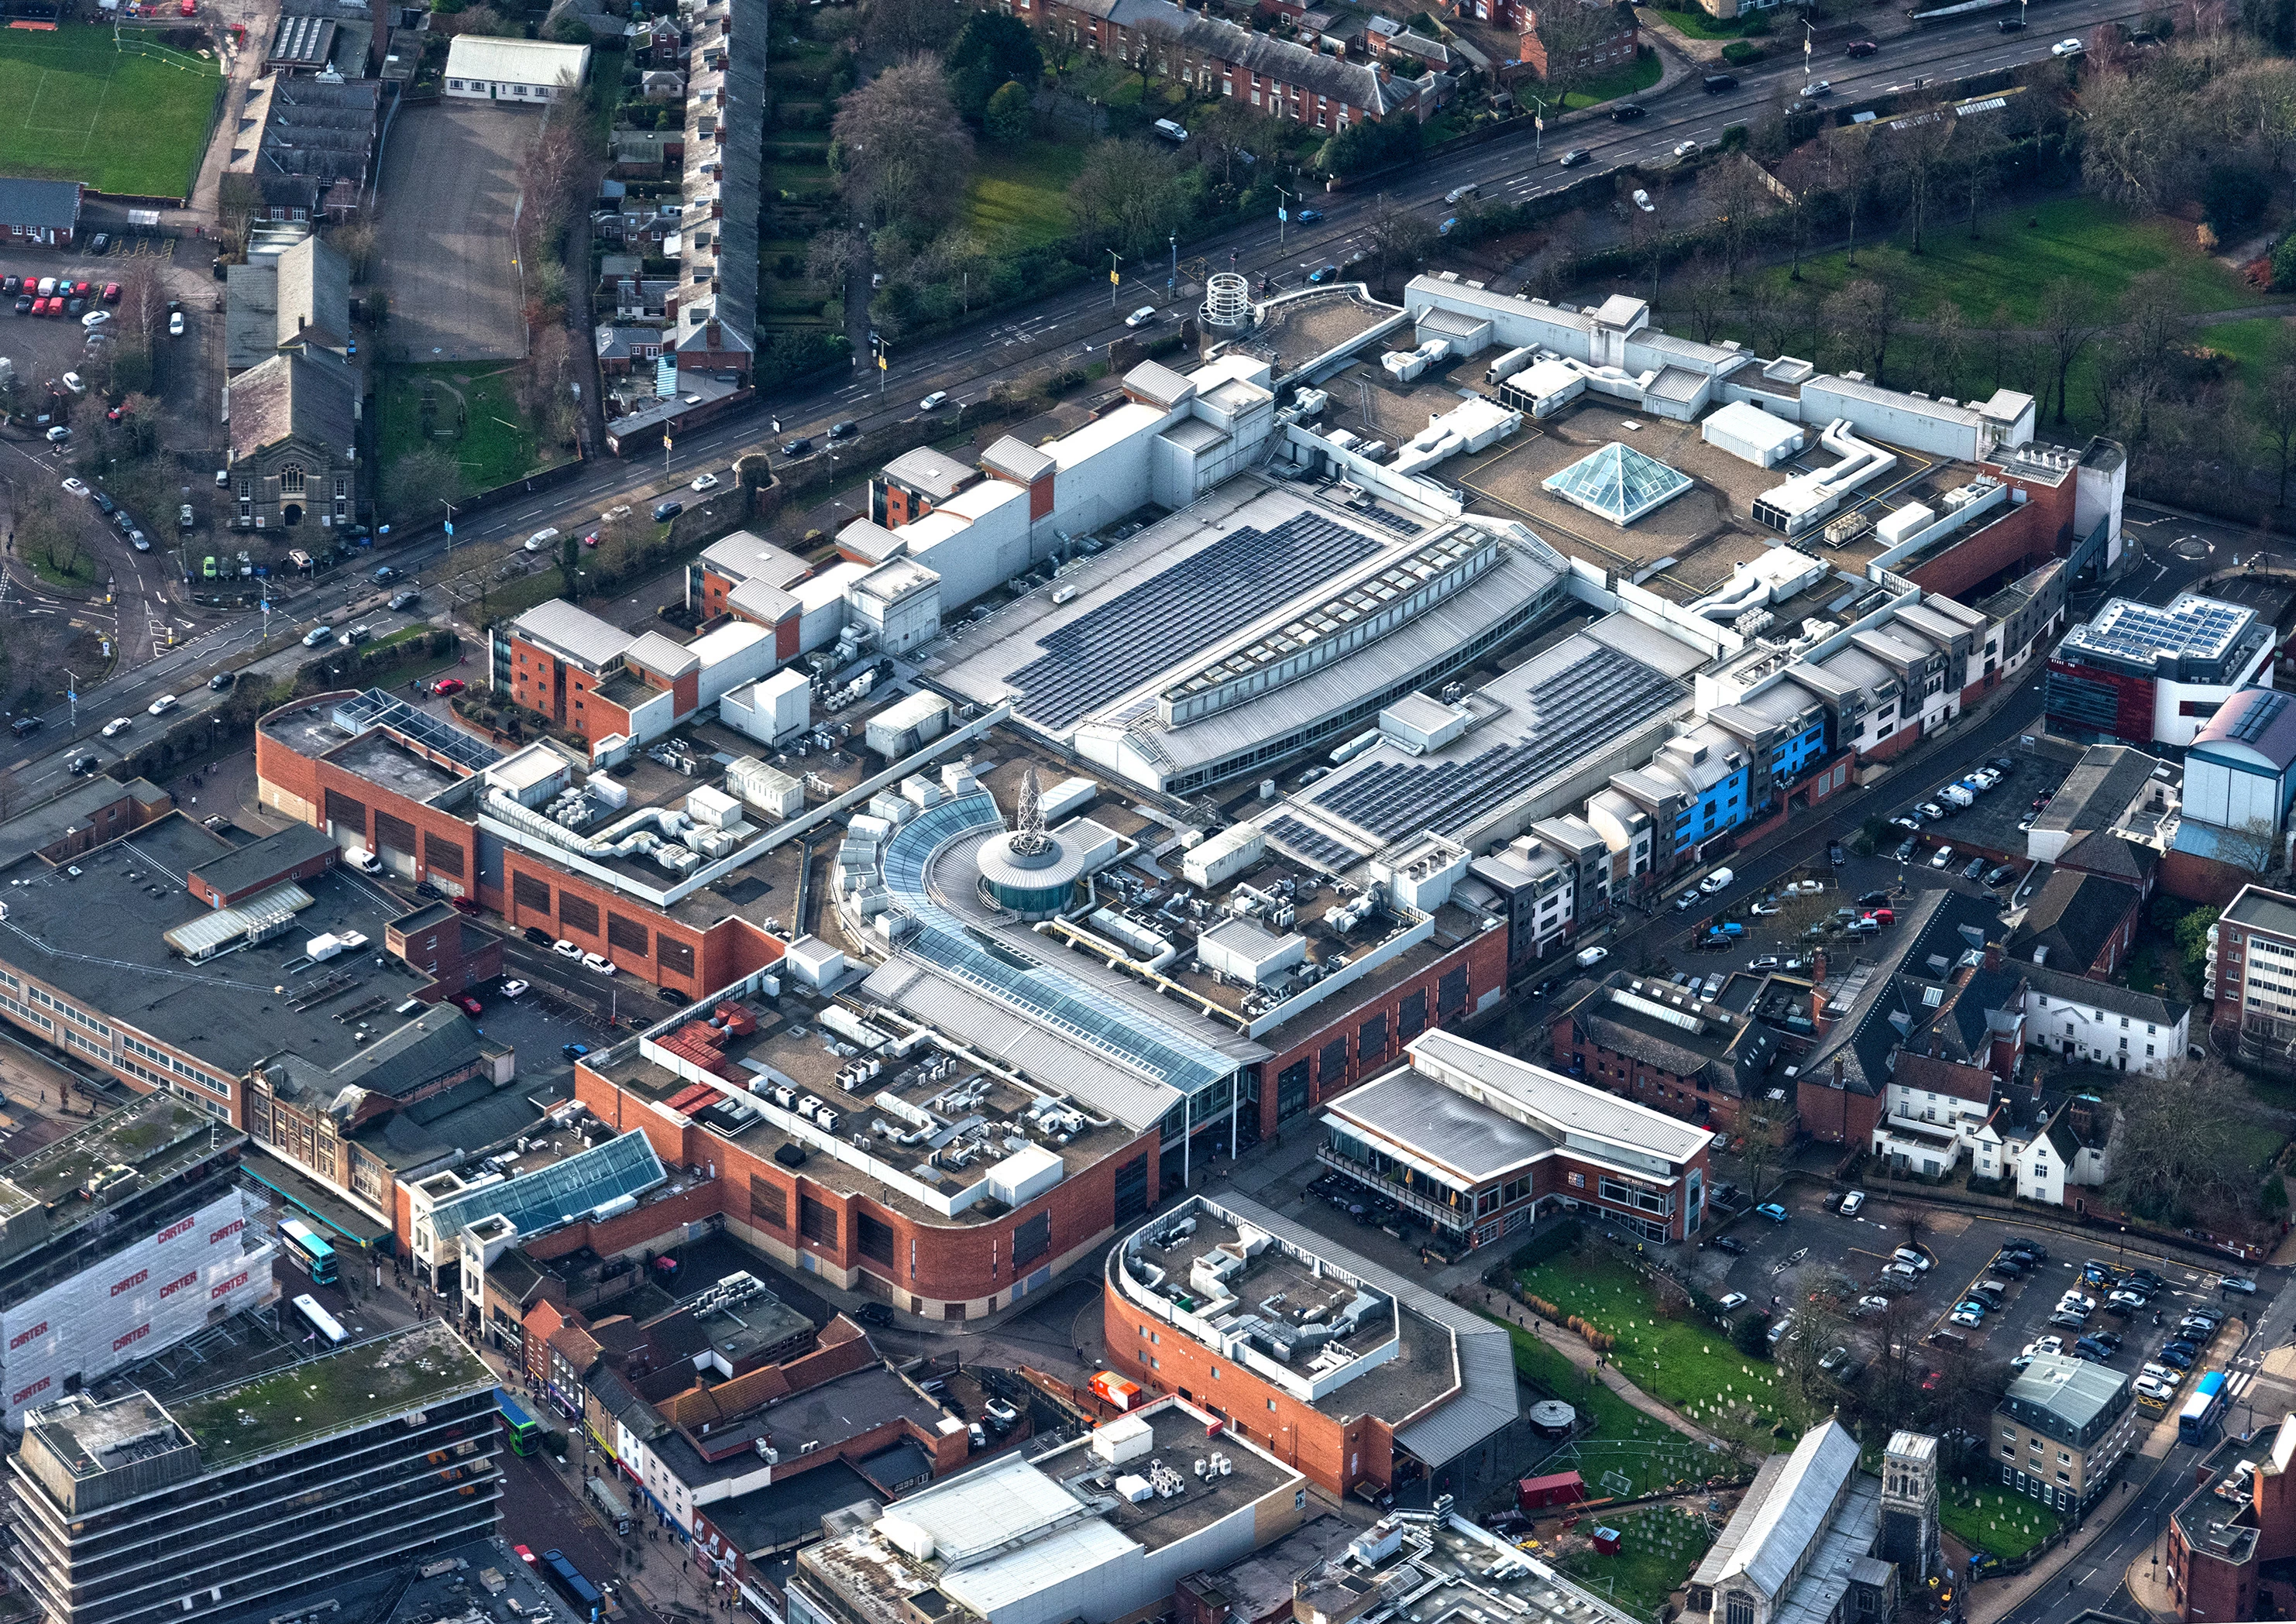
(1703,288)
(1977,173)
(1569,32)
(1949,347)
(1759,1129)
(897,147)
(1862,317)
(1850,156)
(2067,327)
(994,50)
(1767,315)
(1400,239)
(1007,116)
(569,566)
(1741,198)
(238,198)
(1366,145)
(1128,196)
(477,20)
(417,483)
(1918,155)
(2182,1143)
(903,28)
(2276,408)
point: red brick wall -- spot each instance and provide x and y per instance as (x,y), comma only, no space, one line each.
(1836,1116)
(2197,878)
(1896,744)
(655,1223)
(2019,540)
(722,954)
(933,1263)
(310,869)
(1334,1454)
(1644,1084)
(1486,958)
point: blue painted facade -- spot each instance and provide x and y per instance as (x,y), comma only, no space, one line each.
(1722,806)
(1793,755)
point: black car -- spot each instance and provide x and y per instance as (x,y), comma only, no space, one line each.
(223,679)
(24,726)
(2003,764)
(101,243)
(105,503)
(76,307)
(1996,878)
(24,307)
(844,431)
(1717,83)
(1724,1244)
(2010,25)
(799,447)
(1627,112)
(1873,900)
(540,939)
(2111,1339)
(1310,217)
(1575,156)
(670,995)
(2032,1249)
(2009,1266)
(874,1313)
(82,766)
(664,511)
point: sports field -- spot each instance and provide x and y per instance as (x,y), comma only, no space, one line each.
(130,118)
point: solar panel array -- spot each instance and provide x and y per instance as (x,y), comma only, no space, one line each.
(376,708)
(2190,625)
(1573,711)
(2260,713)
(1312,844)
(1182,611)
(1387,520)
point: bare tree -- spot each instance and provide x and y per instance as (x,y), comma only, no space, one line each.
(1704,289)
(2067,325)
(1917,153)
(2180,1148)
(904,28)
(1570,31)
(1862,317)
(1741,198)
(1949,347)
(2276,408)
(897,146)
(419,481)
(1400,239)
(1850,156)
(1767,315)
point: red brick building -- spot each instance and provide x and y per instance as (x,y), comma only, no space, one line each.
(1581,39)
(2231,1539)
(1650,1042)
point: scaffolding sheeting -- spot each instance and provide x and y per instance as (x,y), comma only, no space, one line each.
(145,1298)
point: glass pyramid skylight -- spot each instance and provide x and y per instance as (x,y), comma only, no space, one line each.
(1617,482)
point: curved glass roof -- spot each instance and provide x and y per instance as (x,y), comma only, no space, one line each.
(1617,482)
(1132,1037)
(561,1192)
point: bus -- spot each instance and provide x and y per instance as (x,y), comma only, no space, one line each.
(329,1329)
(525,1431)
(567,1578)
(2196,1423)
(310,1250)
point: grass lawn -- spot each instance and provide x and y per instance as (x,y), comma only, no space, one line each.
(497,446)
(2096,245)
(1688,1364)
(1645,72)
(1652,1456)
(1019,195)
(129,119)
(1698,25)
(1989,1518)
(1660,1548)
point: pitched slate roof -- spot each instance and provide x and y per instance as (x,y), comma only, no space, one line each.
(2101,852)
(2072,920)
(2065,987)
(51,204)
(312,398)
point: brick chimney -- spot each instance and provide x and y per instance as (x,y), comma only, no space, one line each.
(1840,1072)
(1817,966)
(1992,956)
(711,329)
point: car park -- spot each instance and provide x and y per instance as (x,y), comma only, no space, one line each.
(469,1005)
(1968,1314)
(1851,1202)
(2176,1354)
(1943,857)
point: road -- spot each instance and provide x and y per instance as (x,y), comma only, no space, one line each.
(1077,324)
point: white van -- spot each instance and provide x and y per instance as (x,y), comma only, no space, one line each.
(1717,882)
(1170,131)
(362,859)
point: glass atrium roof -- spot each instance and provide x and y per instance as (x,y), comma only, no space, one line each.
(1617,482)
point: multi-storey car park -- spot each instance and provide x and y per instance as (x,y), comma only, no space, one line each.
(150,1503)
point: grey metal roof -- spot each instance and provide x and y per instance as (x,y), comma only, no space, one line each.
(1486,1400)
(932,473)
(2073,1390)
(576,631)
(1449,1128)
(1569,1106)
(1777,1522)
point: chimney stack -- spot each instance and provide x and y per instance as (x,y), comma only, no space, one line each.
(1993,955)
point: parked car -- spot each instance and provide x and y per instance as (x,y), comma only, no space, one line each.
(451,685)
(2176,1355)
(1944,857)
(176,325)
(316,636)
(513,989)
(565,949)
(664,511)
(1919,1262)
(1968,1314)
(598,962)
(1779,1332)
(1851,1202)
(1908,847)
(1627,112)
(1772,1211)
(573,1051)
(1999,876)
(469,1005)
(1973,868)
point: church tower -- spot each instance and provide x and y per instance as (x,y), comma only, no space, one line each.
(1910,1509)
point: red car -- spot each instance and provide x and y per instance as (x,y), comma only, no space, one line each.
(452,684)
(116,413)
(469,1006)
(524,1554)
(111,293)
